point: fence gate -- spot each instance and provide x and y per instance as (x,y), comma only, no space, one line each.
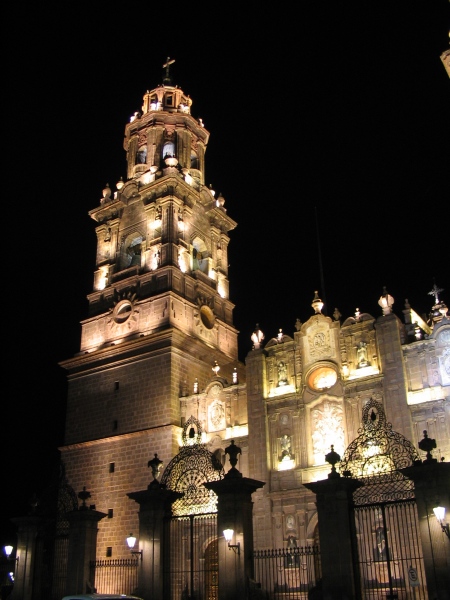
(194,569)
(191,569)
(389,551)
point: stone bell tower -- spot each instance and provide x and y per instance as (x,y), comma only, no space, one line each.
(159,313)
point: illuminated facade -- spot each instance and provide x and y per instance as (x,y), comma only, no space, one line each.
(159,347)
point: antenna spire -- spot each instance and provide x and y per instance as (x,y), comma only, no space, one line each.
(322,281)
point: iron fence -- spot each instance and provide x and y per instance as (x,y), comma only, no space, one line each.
(115,576)
(287,573)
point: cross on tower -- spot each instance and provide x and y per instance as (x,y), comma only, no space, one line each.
(166,66)
(434,292)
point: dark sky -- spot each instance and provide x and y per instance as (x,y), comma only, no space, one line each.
(329,123)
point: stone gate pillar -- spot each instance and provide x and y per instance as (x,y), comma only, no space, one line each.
(234,511)
(340,577)
(432,488)
(28,529)
(155,504)
(83,529)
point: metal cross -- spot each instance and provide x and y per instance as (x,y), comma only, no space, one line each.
(166,66)
(434,292)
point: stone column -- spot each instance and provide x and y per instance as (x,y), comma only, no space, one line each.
(155,503)
(432,488)
(234,511)
(340,578)
(28,529)
(83,529)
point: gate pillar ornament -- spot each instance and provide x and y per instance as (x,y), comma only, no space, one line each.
(432,488)
(234,511)
(155,503)
(337,533)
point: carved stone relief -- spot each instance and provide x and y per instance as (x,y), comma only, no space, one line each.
(216,416)
(443,348)
(326,429)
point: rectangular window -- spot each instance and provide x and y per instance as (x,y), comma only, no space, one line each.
(111,467)
(109,551)
(110,513)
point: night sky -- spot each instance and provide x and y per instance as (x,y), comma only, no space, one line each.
(329,140)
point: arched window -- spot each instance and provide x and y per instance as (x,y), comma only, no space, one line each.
(194,160)
(131,251)
(141,155)
(168,149)
(199,255)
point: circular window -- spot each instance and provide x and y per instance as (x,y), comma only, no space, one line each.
(122,311)
(322,378)
(207,316)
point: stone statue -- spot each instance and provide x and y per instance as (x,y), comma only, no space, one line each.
(361,354)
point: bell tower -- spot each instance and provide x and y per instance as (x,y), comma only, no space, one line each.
(159,314)
(162,237)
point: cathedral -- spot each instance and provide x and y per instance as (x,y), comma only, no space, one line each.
(158,363)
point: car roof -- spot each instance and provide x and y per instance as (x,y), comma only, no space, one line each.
(101,597)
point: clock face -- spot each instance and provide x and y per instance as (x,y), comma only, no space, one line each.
(322,378)
(207,316)
(122,311)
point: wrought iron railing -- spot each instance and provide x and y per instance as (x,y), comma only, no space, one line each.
(115,576)
(287,573)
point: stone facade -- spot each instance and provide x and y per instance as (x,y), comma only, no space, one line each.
(159,347)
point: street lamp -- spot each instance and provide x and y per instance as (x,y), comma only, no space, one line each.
(439,513)
(8,551)
(228,535)
(131,541)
